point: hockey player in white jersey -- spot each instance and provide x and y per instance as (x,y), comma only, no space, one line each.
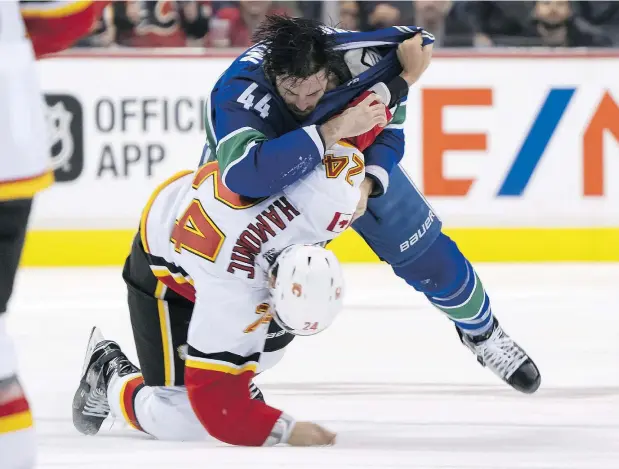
(24,170)
(207,273)
(27,30)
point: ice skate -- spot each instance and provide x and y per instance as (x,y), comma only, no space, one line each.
(103,359)
(505,358)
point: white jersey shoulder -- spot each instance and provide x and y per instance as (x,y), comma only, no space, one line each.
(199,225)
(24,155)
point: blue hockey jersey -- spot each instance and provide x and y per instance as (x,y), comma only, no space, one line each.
(260,146)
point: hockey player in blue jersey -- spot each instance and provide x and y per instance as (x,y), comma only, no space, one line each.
(273,113)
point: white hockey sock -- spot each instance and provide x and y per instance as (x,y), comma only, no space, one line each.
(17,438)
(121,395)
(8,360)
(17,448)
(163,412)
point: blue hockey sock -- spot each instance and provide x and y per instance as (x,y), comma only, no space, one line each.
(451,284)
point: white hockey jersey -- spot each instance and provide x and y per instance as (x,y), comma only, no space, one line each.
(214,247)
(24,153)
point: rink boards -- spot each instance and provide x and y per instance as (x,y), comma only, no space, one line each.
(518,154)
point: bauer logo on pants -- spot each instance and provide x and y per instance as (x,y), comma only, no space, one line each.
(66,140)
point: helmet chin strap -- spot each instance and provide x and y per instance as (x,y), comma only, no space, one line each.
(281,323)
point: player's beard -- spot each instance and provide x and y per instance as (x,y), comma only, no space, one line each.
(298,114)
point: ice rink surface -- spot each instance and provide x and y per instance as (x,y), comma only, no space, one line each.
(390,376)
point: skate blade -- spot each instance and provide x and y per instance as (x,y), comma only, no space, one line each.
(95,337)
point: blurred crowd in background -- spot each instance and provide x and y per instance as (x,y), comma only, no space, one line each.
(208,24)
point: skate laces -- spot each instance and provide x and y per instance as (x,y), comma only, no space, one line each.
(96,404)
(119,365)
(125,366)
(500,353)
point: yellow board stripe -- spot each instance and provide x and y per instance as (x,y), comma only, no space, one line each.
(16,422)
(220,367)
(25,188)
(150,202)
(53,9)
(166,339)
(83,248)
(509,245)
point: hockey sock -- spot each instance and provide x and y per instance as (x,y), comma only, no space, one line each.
(14,408)
(164,412)
(451,284)
(121,395)
(17,439)
(469,306)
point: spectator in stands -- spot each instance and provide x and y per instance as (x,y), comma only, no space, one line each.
(444,20)
(151,24)
(604,15)
(103,33)
(376,15)
(543,23)
(496,23)
(162,23)
(233,26)
(385,14)
(349,16)
(555,25)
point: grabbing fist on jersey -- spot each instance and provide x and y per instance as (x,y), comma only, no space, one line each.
(365,114)
(415,57)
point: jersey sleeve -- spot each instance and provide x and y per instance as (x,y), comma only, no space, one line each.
(386,151)
(379,37)
(226,337)
(254,161)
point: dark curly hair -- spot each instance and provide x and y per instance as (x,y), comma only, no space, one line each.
(297,48)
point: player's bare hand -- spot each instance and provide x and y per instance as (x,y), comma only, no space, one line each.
(364,116)
(414,58)
(366,188)
(355,120)
(310,434)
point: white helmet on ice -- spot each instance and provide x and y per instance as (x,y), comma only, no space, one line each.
(307,288)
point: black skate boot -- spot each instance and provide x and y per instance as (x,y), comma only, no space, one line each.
(103,359)
(505,358)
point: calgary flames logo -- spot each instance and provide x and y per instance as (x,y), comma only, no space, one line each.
(265,318)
